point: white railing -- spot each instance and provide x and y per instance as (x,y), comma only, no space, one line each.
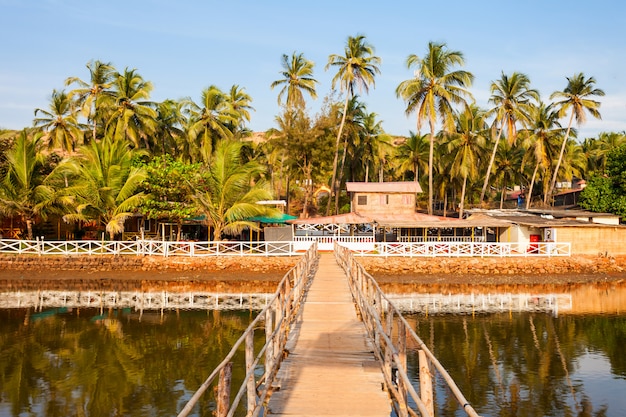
(480,303)
(441,239)
(137,300)
(151,247)
(464,249)
(361,245)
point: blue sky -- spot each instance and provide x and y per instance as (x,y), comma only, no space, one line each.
(184,46)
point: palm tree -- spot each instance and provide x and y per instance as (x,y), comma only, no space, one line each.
(209,121)
(538,142)
(25,190)
(413,154)
(88,94)
(508,162)
(466,146)
(170,136)
(229,199)
(239,102)
(59,124)
(106,184)
(297,77)
(372,138)
(433,92)
(512,97)
(576,96)
(133,117)
(357,68)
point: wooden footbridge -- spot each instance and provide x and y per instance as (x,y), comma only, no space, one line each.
(331,349)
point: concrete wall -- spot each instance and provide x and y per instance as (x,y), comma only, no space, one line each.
(594,240)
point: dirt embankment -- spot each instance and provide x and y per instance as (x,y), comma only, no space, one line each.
(215,273)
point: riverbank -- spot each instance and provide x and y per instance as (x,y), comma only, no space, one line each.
(223,271)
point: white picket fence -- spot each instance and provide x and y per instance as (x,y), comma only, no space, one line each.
(360,246)
(151,247)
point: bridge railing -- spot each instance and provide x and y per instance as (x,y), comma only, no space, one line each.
(151,247)
(280,312)
(390,331)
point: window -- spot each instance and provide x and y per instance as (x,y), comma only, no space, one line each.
(361,200)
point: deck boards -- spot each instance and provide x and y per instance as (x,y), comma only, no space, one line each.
(330,370)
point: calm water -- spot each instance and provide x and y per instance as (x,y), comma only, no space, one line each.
(89,362)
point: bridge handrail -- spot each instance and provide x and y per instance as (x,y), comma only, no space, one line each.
(148,247)
(281,310)
(369,300)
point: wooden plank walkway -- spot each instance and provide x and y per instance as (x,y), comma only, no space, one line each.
(330,369)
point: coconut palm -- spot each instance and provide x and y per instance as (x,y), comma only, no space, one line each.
(170,136)
(575,96)
(59,124)
(357,68)
(106,184)
(513,99)
(508,162)
(231,194)
(26,190)
(413,154)
(433,92)
(239,102)
(209,121)
(132,116)
(297,78)
(466,145)
(88,94)
(538,141)
(368,150)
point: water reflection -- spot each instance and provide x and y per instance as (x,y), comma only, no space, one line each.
(530,364)
(61,362)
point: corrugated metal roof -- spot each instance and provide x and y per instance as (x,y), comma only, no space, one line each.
(384,187)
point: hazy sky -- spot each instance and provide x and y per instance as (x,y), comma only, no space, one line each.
(184,46)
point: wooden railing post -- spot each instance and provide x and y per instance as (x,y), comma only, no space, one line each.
(250,384)
(223,390)
(269,329)
(402,400)
(426,383)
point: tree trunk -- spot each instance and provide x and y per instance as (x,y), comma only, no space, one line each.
(340,174)
(558,163)
(461,206)
(430,165)
(530,188)
(493,158)
(334,178)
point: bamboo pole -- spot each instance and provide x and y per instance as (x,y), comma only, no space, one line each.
(223,390)
(426,383)
(250,384)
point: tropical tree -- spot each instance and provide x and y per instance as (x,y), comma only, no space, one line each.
(357,68)
(513,100)
(169,185)
(88,94)
(132,116)
(297,78)
(106,184)
(26,190)
(606,192)
(433,92)
(59,124)
(239,102)
(543,131)
(170,136)
(230,194)
(413,155)
(373,142)
(575,96)
(466,146)
(209,122)
(508,163)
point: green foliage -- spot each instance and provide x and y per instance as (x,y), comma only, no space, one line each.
(607,193)
(169,185)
